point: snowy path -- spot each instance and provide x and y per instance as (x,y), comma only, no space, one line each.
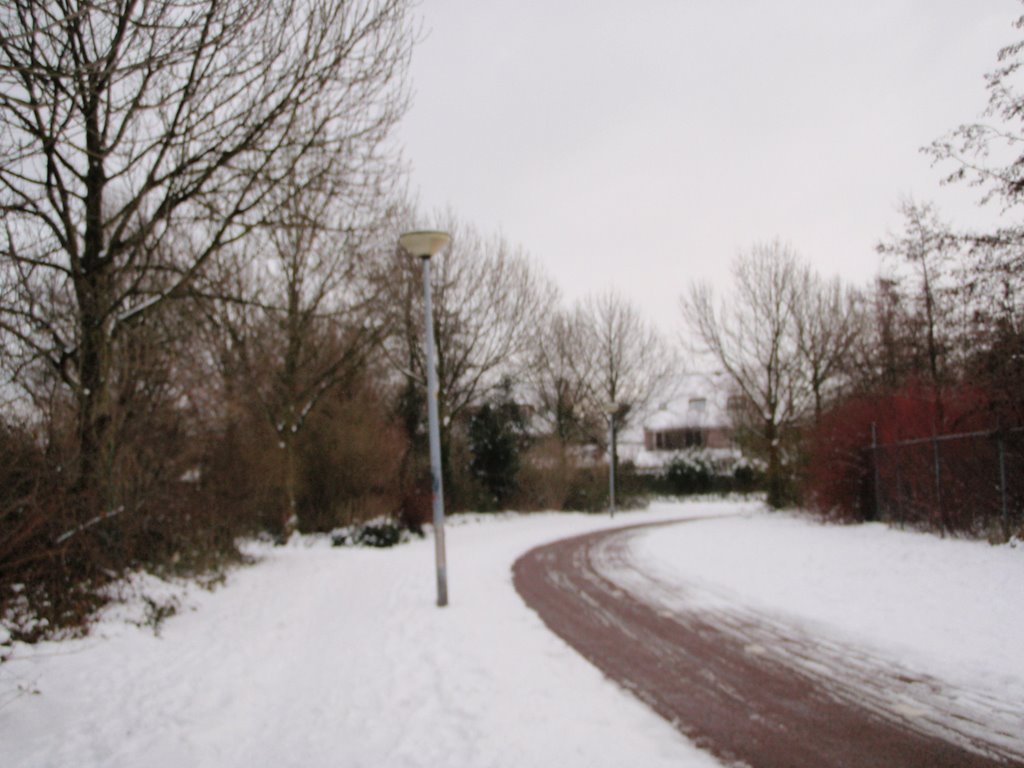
(326,657)
(749,684)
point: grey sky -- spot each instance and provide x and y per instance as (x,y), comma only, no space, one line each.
(639,145)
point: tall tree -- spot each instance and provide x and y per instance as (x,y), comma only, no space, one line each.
(751,335)
(926,247)
(828,319)
(881,357)
(560,376)
(140,139)
(309,317)
(488,302)
(987,154)
(629,364)
(497,436)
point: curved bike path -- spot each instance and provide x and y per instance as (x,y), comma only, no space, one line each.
(742,688)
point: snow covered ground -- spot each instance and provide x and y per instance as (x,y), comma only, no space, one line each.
(948,607)
(911,626)
(338,657)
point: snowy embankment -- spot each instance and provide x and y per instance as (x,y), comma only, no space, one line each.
(338,657)
(949,608)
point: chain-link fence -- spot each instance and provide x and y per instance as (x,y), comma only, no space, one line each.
(971,482)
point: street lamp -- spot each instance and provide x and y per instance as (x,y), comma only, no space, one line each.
(424,245)
(611,409)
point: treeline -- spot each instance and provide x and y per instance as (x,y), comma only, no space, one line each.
(285,391)
(829,380)
(207,327)
(902,400)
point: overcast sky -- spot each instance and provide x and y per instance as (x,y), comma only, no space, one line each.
(640,145)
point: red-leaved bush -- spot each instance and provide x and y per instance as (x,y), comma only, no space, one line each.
(946,463)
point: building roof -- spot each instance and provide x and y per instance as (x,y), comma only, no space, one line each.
(701,401)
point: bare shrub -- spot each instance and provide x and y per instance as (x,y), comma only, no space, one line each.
(351,464)
(909,473)
(545,477)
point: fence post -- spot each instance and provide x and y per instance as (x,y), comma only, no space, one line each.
(938,482)
(1002,480)
(874,463)
(899,490)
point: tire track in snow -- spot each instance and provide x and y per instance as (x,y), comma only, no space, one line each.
(753,691)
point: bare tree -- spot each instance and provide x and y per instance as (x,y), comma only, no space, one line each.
(629,364)
(986,154)
(880,356)
(990,292)
(488,300)
(927,247)
(309,317)
(828,320)
(561,375)
(751,335)
(140,139)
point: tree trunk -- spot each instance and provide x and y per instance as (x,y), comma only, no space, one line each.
(95,450)
(817,381)
(289,515)
(290,375)
(614,450)
(933,348)
(93,291)
(776,482)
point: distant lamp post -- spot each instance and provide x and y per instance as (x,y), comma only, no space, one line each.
(424,245)
(610,410)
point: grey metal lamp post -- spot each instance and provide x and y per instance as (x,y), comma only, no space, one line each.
(611,409)
(424,245)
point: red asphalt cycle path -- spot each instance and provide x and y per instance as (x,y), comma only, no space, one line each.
(719,678)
